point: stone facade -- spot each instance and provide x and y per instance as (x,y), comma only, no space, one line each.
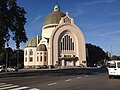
(62,43)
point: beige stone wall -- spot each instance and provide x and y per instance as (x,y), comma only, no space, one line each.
(38,58)
(48,29)
(28,63)
(79,39)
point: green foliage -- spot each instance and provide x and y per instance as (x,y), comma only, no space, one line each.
(12,21)
(12,57)
(96,55)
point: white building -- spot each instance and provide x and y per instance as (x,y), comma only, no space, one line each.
(62,43)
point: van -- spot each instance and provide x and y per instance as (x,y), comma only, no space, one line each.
(113,68)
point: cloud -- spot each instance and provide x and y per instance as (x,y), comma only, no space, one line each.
(110,33)
(103,25)
(77,11)
(112,14)
(98,2)
(36,19)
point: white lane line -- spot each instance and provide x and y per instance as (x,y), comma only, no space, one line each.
(52,84)
(68,80)
(34,89)
(79,77)
(4,85)
(20,88)
(9,87)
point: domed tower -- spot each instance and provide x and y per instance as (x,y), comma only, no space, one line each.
(52,21)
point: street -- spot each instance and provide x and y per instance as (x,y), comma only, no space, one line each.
(63,79)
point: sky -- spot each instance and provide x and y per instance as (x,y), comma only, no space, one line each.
(99,20)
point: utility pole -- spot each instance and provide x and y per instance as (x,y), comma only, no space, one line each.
(111,52)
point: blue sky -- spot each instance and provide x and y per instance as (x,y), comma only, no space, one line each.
(99,20)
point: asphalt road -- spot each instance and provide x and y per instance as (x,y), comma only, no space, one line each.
(64,79)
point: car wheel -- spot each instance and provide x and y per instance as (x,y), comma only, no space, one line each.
(111,77)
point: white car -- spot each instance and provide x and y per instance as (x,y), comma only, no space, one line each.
(11,69)
(113,68)
(1,69)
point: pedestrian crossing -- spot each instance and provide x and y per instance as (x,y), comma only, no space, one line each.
(5,86)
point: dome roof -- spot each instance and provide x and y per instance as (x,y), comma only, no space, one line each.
(54,17)
(42,47)
(32,43)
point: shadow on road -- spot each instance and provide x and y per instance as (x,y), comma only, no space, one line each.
(59,72)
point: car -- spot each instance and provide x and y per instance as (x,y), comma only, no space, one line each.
(99,66)
(2,69)
(9,69)
(113,68)
(44,67)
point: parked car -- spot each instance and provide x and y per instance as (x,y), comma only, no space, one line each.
(2,69)
(9,69)
(44,67)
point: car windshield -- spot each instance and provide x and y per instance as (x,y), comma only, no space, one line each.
(111,65)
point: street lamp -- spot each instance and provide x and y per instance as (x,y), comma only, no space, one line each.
(6,59)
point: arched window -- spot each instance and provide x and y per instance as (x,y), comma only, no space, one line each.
(31,52)
(67,43)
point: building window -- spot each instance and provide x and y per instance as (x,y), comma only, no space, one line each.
(26,59)
(41,58)
(67,43)
(26,52)
(41,53)
(45,53)
(31,59)
(37,58)
(31,52)
(45,58)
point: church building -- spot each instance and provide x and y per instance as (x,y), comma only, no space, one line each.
(61,44)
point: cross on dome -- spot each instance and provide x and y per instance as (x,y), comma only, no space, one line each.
(66,13)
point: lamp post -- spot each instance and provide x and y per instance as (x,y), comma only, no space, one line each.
(6,60)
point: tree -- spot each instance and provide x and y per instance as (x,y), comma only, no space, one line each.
(114,57)
(96,55)
(3,54)
(12,21)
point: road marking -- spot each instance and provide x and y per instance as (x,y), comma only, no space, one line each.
(68,80)
(34,89)
(9,87)
(19,88)
(14,87)
(4,85)
(79,77)
(51,84)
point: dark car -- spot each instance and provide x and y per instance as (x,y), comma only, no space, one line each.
(44,67)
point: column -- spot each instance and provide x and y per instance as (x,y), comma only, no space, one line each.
(63,62)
